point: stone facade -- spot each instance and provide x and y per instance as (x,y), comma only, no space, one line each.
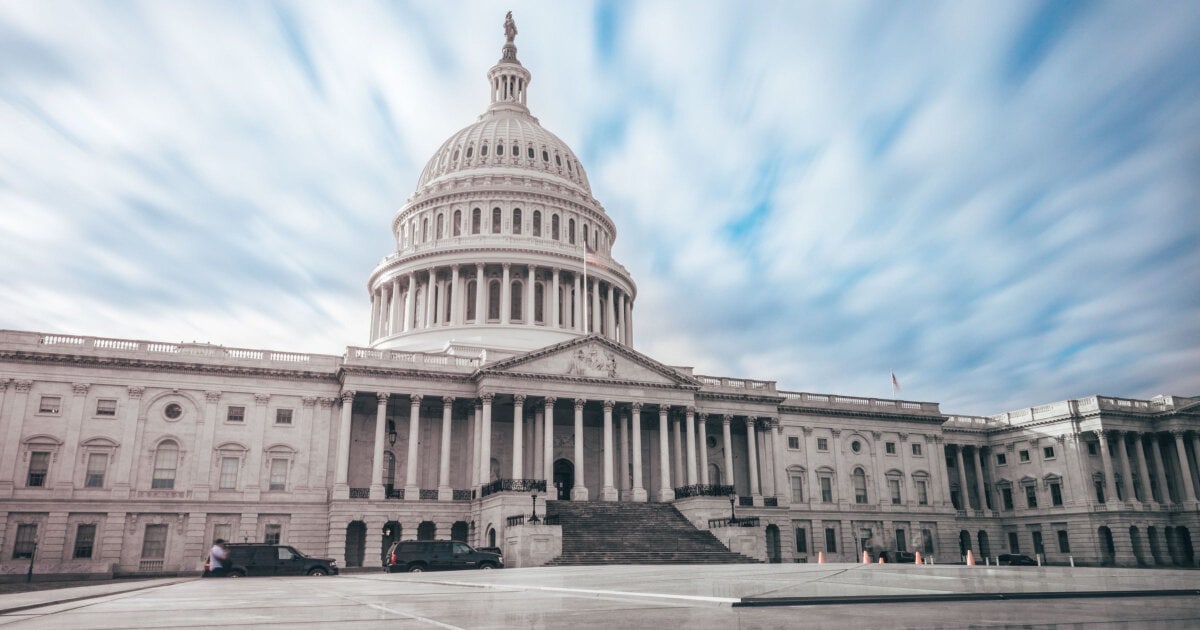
(501,364)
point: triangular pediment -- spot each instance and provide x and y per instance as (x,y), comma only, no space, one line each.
(592,358)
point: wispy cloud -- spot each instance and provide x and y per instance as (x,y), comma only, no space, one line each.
(999,202)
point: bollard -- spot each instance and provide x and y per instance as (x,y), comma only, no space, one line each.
(1072,559)
(1039,558)
(987,562)
(881,560)
(919,560)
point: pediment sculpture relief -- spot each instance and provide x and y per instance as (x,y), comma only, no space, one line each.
(593,361)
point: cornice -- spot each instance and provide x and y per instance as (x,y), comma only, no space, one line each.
(168,366)
(858,413)
(479,191)
(370,370)
(438,252)
(749,398)
(585,380)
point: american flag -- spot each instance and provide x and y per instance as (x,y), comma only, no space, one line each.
(895,385)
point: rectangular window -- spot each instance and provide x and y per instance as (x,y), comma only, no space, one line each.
(278,474)
(826,490)
(224,531)
(26,541)
(1031,496)
(1056,494)
(1047,452)
(236,414)
(1024,456)
(860,488)
(894,486)
(801,540)
(822,444)
(1038,547)
(1001,459)
(1006,495)
(96,467)
(85,540)
(890,448)
(154,543)
(1093,448)
(1064,545)
(797,489)
(831,538)
(283,416)
(922,493)
(1013,545)
(916,450)
(229,473)
(272,533)
(1099,483)
(927,540)
(793,442)
(950,462)
(106,407)
(39,465)
(901,540)
(50,404)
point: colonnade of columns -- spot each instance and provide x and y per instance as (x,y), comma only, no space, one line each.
(459,295)
(622,467)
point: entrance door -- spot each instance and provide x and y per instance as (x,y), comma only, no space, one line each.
(773,555)
(564,478)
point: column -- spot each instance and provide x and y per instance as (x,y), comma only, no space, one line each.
(610,327)
(530,320)
(202,476)
(980,488)
(1126,469)
(548,443)
(481,290)
(377,457)
(594,291)
(409,296)
(1196,448)
(691,445)
(476,444)
(1189,490)
(938,469)
(506,294)
(580,491)
(343,459)
(752,454)
(430,306)
(374,314)
(608,492)
(677,447)
(518,439)
(555,303)
(1139,452)
(623,462)
(537,449)
(702,443)
(578,303)
(776,428)
(728,444)
(485,440)
(1160,470)
(456,310)
(814,493)
(412,485)
(629,322)
(964,497)
(620,334)
(666,492)
(1110,479)
(445,490)
(639,490)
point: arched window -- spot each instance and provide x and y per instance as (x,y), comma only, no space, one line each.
(860,485)
(571,231)
(458,222)
(539,307)
(470,151)
(499,148)
(537,222)
(447,301)
(516,221)
(425,229)
(558,160)
(440,220)
(516,299)
(166,460)
(530,152)
(476,220)
(494,299)
(516,150)
(483,151)
(585,233)
(495,220)
(471,300)
(554,227)
(545,156)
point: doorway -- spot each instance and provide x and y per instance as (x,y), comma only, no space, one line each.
(564,478)
(773,555)
(356,543)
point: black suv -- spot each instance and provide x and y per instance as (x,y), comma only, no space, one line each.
(415,556)
(254,559)
(898,557)
(1015,560)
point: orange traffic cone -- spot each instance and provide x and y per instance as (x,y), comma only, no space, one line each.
(820,557)
(881,560)
(970,558)
(919,559)
(866,557)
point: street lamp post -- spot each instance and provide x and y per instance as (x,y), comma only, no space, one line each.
(29,574)
(732,512)
(533,518)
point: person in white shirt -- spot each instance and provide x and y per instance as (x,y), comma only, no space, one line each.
(218,556)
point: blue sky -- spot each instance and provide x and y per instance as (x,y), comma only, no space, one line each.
(998,200)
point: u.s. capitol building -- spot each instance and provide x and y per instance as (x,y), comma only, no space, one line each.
(501,365)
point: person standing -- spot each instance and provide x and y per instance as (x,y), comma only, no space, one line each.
(218,559)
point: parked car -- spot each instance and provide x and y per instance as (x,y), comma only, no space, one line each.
(898,557)
(415,556)
(1015,560)
(255,559)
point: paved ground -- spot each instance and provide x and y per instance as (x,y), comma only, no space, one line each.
(632,597)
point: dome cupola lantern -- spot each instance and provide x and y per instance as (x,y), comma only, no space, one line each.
(502,249)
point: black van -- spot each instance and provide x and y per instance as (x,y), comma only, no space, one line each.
(254,559)
(415,556)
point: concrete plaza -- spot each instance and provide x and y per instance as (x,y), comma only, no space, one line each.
(738,596)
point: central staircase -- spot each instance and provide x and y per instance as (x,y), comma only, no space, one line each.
(604,532)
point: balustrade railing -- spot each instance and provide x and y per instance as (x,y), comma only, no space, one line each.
(746,501)
(703,490)
(429,495)
(394,493)
(514,485)
(360,493)
(771,501)
(464,495)
(749,521)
